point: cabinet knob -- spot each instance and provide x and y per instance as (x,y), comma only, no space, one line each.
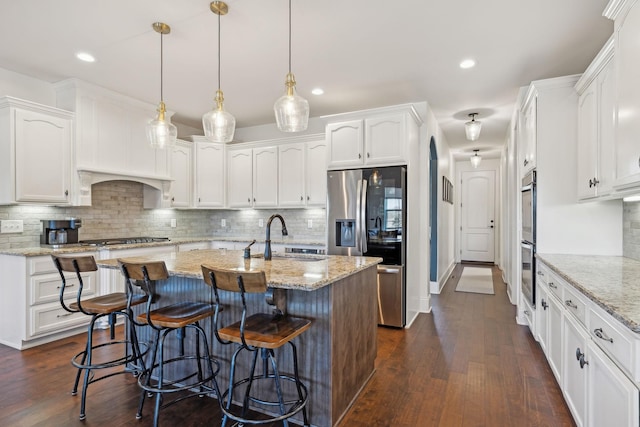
(359,155)
(248,199)
(66,192)
(254,200)
(580,358)
(526,162)
(368,155)
(544,304)
(308,198)
(593,182)
(301,198)
(173,199)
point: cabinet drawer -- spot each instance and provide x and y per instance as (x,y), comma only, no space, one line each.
(52,317)
(46,287)
(555,285)
(44,264)
(542,274)
(608,335)
(574,304)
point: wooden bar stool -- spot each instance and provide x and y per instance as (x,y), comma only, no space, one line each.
(110,305)
(177,317)
(259,333)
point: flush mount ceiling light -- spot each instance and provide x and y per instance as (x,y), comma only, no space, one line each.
(160,131)
(292,110)
(475,159)
(317,91)
(467,63)
(472,128)
(85,57)
(218,124)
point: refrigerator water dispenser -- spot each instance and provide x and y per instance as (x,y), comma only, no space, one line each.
(346,232)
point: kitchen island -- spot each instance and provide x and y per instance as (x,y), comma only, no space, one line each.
(336,355)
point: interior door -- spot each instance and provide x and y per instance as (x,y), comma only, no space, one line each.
(477,216)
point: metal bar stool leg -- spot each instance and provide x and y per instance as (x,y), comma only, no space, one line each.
(294,351)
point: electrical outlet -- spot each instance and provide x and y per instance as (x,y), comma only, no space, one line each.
(261,222)
(11,226)
(174,223)
(309,223)
(223,222)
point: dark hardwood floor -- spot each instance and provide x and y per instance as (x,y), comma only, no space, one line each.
(465,364)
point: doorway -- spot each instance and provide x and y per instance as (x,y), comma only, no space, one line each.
(433,212)
(477,219)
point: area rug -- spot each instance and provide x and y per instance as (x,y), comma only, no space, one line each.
(477,280)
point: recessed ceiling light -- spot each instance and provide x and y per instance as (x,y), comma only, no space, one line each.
(317,91)
(86,57)
(468,63)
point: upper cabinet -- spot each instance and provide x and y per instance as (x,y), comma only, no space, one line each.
(35,153)
(182,173)
(626,14)
(252,179)
(209,177)
(302,170)
(596,113)
(377,138)
(528,131)
(110,138)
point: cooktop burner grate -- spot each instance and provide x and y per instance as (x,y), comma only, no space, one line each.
(123,241)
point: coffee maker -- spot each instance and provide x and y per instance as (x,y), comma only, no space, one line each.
(59,232)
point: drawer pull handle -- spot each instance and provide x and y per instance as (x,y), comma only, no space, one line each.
(553,285)
(570,303)
(540,273)
(64,315)
(600,334)
(544,304)
(527,312)
(67,286)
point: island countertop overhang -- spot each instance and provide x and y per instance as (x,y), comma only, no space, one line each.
(301,272)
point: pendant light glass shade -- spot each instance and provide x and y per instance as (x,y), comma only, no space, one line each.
(475,159)
(161,133)
(472,128)
(291,110)
(218,124)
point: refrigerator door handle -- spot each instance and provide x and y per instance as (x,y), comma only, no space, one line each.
(363,218)
(358,209)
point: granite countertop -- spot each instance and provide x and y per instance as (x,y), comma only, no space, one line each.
(75,248)
(302,272)
(612,282)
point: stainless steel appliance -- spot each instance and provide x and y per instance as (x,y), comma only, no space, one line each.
(56,233)
(366,215)
(528,244)
(122,241)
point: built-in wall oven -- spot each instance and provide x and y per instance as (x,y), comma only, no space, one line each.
(528,243)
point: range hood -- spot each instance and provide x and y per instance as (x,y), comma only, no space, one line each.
(88,177)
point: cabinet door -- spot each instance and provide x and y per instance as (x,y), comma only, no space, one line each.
(606,134)
(555,326)
(587,141)
(43,157)
(182,175)
(628,113)
(345,142)
(542,317)
(265,177)
(291,175)
(240,178)
(385,140)
(210,175)
(612,399)
(529,129)
(316,173)
(574,380)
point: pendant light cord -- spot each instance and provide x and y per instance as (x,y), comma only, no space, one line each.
(219,51)
(161,64)
(289,36)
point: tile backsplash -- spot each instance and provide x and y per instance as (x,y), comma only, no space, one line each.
(631,230)
(117,211)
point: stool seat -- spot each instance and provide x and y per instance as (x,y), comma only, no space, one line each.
(106,304)
(266,330)
(178,315)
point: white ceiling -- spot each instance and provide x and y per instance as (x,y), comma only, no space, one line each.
(363,53)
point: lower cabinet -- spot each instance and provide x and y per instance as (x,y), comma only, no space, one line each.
(591,354)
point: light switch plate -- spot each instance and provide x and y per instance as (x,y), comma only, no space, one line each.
(174,223)
(260,222)
(223,222)
(11,226)
(309,223)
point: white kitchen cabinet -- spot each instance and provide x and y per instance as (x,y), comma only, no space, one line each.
(612,399)
(302,171)
(30,310)
(596,120)
(574,379)
(35,153)
(110,138)
(626,14)
(542,317)
(555,320)
(528,131)
(209,180)
(252,179)
(372,138)
(182,174)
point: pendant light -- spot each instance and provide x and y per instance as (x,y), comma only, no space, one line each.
(160,131)
(219,125)
(292,110)
(475,159)
(472,128)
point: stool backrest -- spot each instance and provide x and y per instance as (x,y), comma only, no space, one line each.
(155,270)
(77,265)
(235,281)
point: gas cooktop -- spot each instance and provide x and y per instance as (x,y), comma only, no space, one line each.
(123,241)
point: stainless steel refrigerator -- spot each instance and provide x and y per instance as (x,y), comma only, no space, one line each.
(366,215)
